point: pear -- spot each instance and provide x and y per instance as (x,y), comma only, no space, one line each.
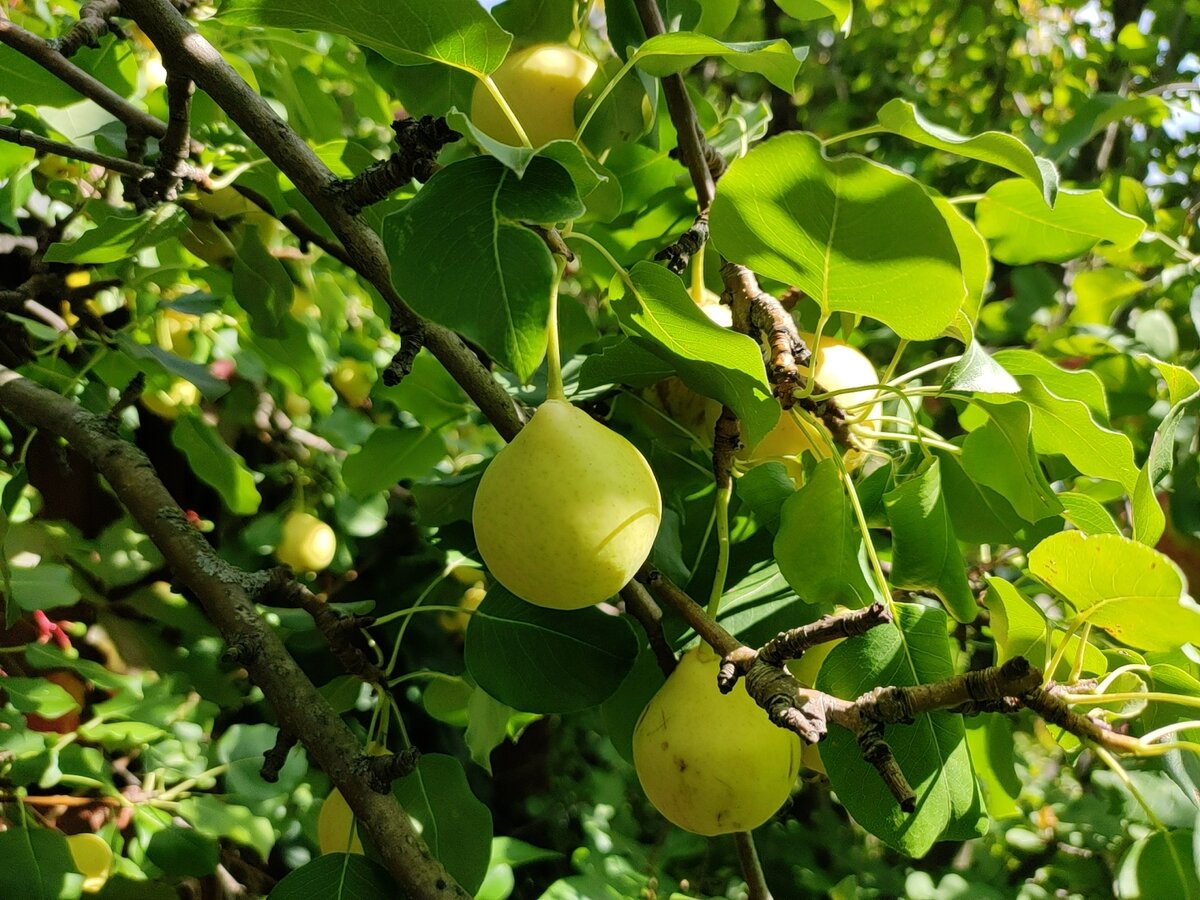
(712,763)
(567,512)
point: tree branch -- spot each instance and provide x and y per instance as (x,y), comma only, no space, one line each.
(184,49)
(93,24)
(640,605)
(45,145)
(227,596)
(418,143)
(172,167)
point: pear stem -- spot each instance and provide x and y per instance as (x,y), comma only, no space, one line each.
(494,90)
(722,515)
(554,378)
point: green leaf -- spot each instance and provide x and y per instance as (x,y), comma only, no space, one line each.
(924,549)
(1129,590)
(546,660)
(37,865)
(489,723)
(1149,522)
(1000,455)
(1087,513)
(455,826)
(980,514)
(808,10)
(624,362)
(221,819)
(211,387)
(337,876)
(856,236)
(455,32)
(37,695)
(819,546)
(460,257)
(665,54)
(931,751)
(1079,384)
(976,371)
(1022,229)
(389,455)
(184,852)
(46,586)
(119,234)
(1020,628)
(1098,112)
(23,81)
(536,21)
(990,737)
(261,286)
(976,264)
(994,147)
(216,464)
(1158,865)
(1099,293)
(711,360)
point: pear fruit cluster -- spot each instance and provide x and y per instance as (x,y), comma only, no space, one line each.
(712,763)
(567,513)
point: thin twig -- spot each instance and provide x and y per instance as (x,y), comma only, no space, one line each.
(45,145)
(640,605)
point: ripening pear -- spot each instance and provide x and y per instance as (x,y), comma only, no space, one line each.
(712,763)
(567,512)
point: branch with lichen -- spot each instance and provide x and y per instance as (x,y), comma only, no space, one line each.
(1008,688)
(418,142)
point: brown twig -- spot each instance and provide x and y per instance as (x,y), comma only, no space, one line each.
(275,758)
(227,595)
(679,255)
(418,143)
(45,145)
(640,605)
(93,24)
(172,168)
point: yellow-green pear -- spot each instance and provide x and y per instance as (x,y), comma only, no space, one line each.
(567,512)
(712,763)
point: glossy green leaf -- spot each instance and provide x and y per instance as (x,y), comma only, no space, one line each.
(460,256)
(389,455)
(855,235)
(37,695)
(819,547)
(1072,384)
(976,264)
(977,371)
(44,586)
(227,821)
(625,361)
(184,851)
(994,147)
(980,514)
(711,360)
(1099,293)
(37,865)
(1087,513)
(337,876)
(216,464)
(1000,455)
(931,751)
(262,286)
(808,10)
(1158,865)
(1129,590)
(119,234)
(546,660)
(665,54)
(990,737)
(455,825)
(458,33)
(925,552)
(1020,628)
(1022,229)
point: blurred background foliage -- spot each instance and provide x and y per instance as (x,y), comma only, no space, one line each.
(254,411)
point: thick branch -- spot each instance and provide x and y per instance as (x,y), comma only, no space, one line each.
(172,167)
(44,54)
(185,50)
(226,594)
(418,143)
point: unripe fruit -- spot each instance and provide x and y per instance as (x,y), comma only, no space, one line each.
(712,763)
(308,544)
(181,395)
(92,857)
(838,367)
(540,83)
(353,379)
(68,721)
(567,512)
(336,831)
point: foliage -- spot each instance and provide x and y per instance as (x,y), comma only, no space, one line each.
(993,201)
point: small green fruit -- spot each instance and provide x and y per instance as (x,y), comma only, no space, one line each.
(567,512)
